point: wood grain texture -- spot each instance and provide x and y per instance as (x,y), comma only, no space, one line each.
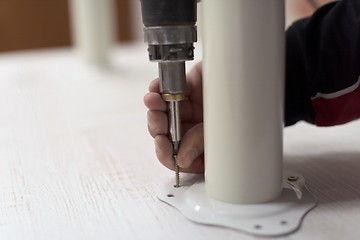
(76,161)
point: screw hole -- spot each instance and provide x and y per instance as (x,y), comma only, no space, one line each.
(283,222)
(258,227)
(170,195)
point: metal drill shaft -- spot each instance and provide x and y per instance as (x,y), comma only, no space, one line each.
(175,134)
(174,125)
(172,87)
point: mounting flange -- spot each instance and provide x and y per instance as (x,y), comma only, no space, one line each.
(278,217)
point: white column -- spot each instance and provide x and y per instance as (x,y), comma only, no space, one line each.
(243,99)
(93,29)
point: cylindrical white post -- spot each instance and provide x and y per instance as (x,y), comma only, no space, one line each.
(243,99)
(93,29)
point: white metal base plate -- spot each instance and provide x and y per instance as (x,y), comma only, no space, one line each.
(278,217)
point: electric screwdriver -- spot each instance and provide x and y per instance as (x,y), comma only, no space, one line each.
(170,32)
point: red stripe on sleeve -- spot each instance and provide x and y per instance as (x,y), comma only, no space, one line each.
(339,110)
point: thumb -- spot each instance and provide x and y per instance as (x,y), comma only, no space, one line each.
(192,146)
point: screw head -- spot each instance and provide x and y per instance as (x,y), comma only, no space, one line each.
(293,178)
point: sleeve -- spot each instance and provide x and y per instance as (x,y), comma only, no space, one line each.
(323,66)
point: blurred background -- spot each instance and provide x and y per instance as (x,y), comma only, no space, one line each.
(33,24)
(29,24)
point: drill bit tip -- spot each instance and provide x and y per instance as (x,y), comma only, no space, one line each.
(177,173)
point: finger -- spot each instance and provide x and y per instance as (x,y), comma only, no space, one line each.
(196,86)
(164,150)
(194,77)
(192,146)
(186,111)
(191,112)
(157,123)
(186,127)
(197,166)
(153,101)
(154,85)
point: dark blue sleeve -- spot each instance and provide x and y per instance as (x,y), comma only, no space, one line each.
(322,59)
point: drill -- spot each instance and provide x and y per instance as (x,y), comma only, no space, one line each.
(170,32)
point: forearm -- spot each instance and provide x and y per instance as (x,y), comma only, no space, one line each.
(323,58)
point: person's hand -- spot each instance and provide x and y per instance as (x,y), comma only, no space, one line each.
(191,154)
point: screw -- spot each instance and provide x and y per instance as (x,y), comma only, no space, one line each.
(293,178)
(177,173)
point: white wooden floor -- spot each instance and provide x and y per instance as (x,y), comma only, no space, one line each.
(76,161)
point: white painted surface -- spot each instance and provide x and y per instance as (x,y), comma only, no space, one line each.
(281,216)
(243,99)
(76,161)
